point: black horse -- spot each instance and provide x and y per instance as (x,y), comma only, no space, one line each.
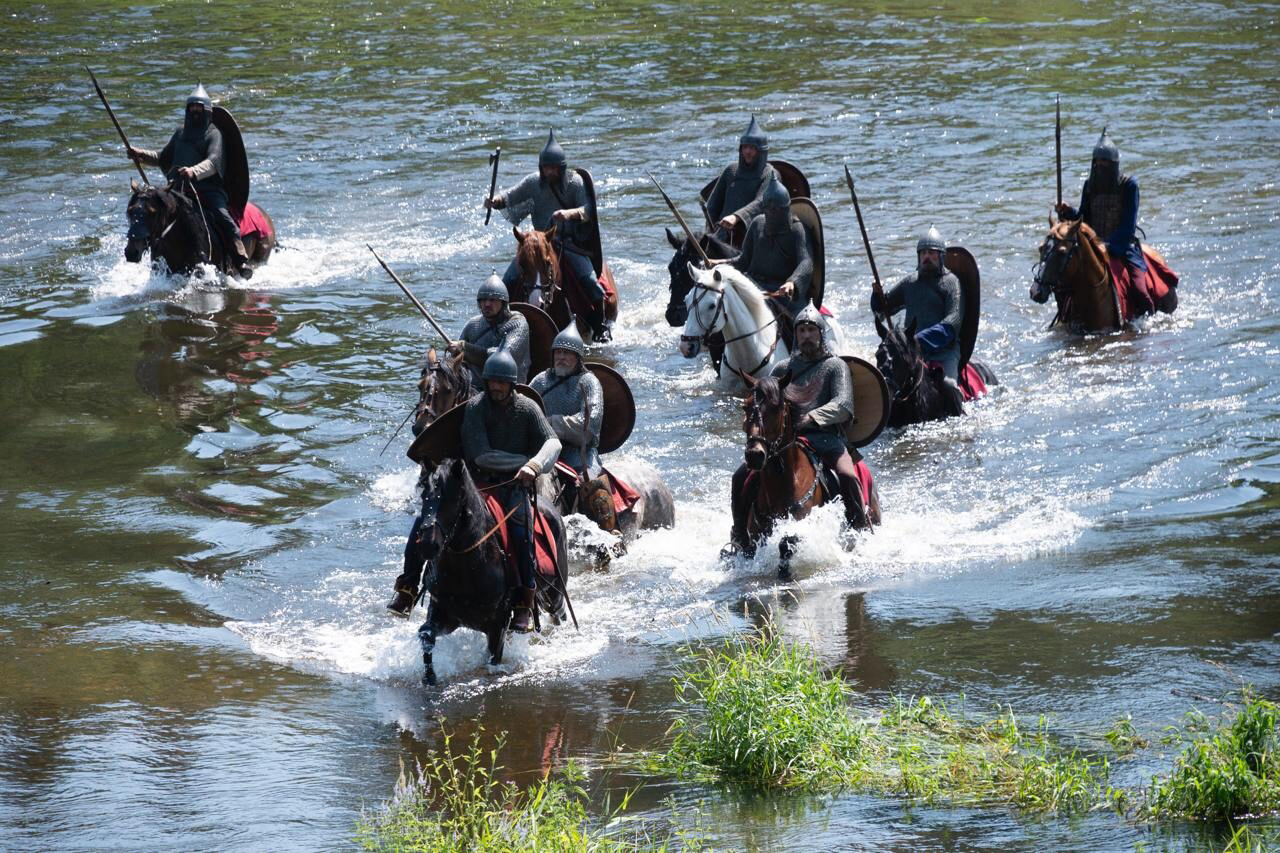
(469,581)
(170,223)
(681,281)
(920,391)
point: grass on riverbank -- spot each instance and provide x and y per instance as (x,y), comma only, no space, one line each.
(457,802)
(759,710)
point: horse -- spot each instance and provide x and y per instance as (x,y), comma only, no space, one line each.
(170,224)
(469,583)
(542,282)
(788,481)
(920,390)
(444,384)
(678,269)
(655,508)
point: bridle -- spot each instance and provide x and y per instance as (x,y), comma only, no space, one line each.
(720,316)
(550,262)
(774,450)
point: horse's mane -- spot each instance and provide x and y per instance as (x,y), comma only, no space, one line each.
(748,293)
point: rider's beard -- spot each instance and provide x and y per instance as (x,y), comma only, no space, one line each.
(810,349)
(928,267)
(562,372)
(499,395)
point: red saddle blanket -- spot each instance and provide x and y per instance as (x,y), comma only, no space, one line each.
(971,383)
(544,540)
(860,470)
(624,497)
(1141,293)
(578,302)
(254,222)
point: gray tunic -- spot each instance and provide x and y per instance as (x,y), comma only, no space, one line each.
(563,399)
(480,337)
(739,191)
(826,390)
(770,260)
(931,301)
(536,198)
(499,441)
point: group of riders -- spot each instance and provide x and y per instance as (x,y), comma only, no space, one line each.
(516,427)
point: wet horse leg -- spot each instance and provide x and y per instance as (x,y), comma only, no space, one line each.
(430,630)
(497,636)
(787,547)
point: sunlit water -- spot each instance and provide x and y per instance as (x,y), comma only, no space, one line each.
(200,530)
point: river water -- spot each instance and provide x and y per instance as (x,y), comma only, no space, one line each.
(200,532)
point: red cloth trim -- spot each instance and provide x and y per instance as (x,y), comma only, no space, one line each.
(254,221)
(865,480)
(971,385)
(624,497)
(578,302)
(544,543)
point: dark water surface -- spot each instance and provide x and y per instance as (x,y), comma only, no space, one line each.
(199,533)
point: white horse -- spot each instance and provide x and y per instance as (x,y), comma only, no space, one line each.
(724,300)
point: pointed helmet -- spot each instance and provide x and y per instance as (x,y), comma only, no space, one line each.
(200,96)
(493,288)
(500,365)
(755,135)
(1105,149)
(552,154)
(931,241)
(569,339)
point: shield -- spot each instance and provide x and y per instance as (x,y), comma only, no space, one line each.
(443,438)
(592,244)
(235,163)
(619,407)
(870,402)
(807,212)
(960,262)
(542,331)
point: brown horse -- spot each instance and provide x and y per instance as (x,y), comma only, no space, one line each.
(542,281)
(788,479)
(444,384)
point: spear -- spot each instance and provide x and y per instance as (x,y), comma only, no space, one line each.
(1057,138)
(119,129)
(688,233)
(412,298)
(876,287)
(493,180)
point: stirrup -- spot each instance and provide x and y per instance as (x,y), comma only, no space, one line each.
(516,625)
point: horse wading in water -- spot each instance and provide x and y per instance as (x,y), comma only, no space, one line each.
(541,280)
(169,223)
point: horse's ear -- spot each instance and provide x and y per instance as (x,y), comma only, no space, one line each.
(693,271)
(673,240)
(520,235)
(551,232)
(456,360)
(431,357)
(133,185)
(750,380)
(716,275)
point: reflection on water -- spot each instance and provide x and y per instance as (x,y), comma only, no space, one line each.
(199,531)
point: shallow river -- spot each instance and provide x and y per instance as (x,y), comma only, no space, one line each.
(199,531)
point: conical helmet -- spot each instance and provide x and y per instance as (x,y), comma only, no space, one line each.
(552,154)
(931,241)
(810,313)
(776,195)
(200,96)
(1105,149)
(493,288)
(569,339)
(500,365)
(755,135)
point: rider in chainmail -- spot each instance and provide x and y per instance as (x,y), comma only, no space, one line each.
(820,384)
(508,442)
(1109,205)
(738,196)
(497,326)
(556,194)
(574,402)
(934,303)
(194,153)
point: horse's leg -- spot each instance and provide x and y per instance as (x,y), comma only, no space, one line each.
(497,635)
(787,547)
(427,638)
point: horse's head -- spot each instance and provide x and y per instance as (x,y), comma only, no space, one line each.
(1058,255)
(898,356)
(448,502)
(704,308)
(770,414)
(444,384)
(538,264)
(150,211)
(678,268)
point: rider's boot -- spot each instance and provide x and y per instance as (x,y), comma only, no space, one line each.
(241,260)
(600,330)
(403,602)
(522,613)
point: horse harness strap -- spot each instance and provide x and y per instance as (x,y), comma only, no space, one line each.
(905,393)
(485,538)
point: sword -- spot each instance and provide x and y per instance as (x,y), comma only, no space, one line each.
(493,180)
(414,299)
(119,129)
(534,518)
(876,287)
(688,233)
(1057,138)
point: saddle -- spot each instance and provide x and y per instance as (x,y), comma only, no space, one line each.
(544,542)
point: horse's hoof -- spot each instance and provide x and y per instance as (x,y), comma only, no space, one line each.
(429,678)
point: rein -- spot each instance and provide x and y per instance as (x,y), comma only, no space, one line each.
(707,331)
(773,452)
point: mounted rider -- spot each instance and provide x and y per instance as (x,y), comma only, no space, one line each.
(574,402)
(508,442)
(933,302)
(496,327)
(557,195)
(195,153)
(822,390)
(1109,205)
(738,196)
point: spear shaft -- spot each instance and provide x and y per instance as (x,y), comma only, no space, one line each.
(412,298)
(119,129)
(493,180)
(687,232)
(876,287)
(1057,139)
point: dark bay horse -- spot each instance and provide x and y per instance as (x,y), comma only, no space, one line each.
(444,384)
(169,223)
(788,481)
(470,584)
(681,281)
(542,281)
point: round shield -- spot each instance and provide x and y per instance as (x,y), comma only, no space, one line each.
(235,165)
(960,262)
(792,178)
(807,212)
(542,331)
(443,438)
(870,402)
(619,407)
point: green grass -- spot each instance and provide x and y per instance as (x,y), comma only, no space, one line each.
(1228,768)
(457,802)
(759,710)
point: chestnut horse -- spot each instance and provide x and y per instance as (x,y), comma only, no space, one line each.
(542,281)
(788,479)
